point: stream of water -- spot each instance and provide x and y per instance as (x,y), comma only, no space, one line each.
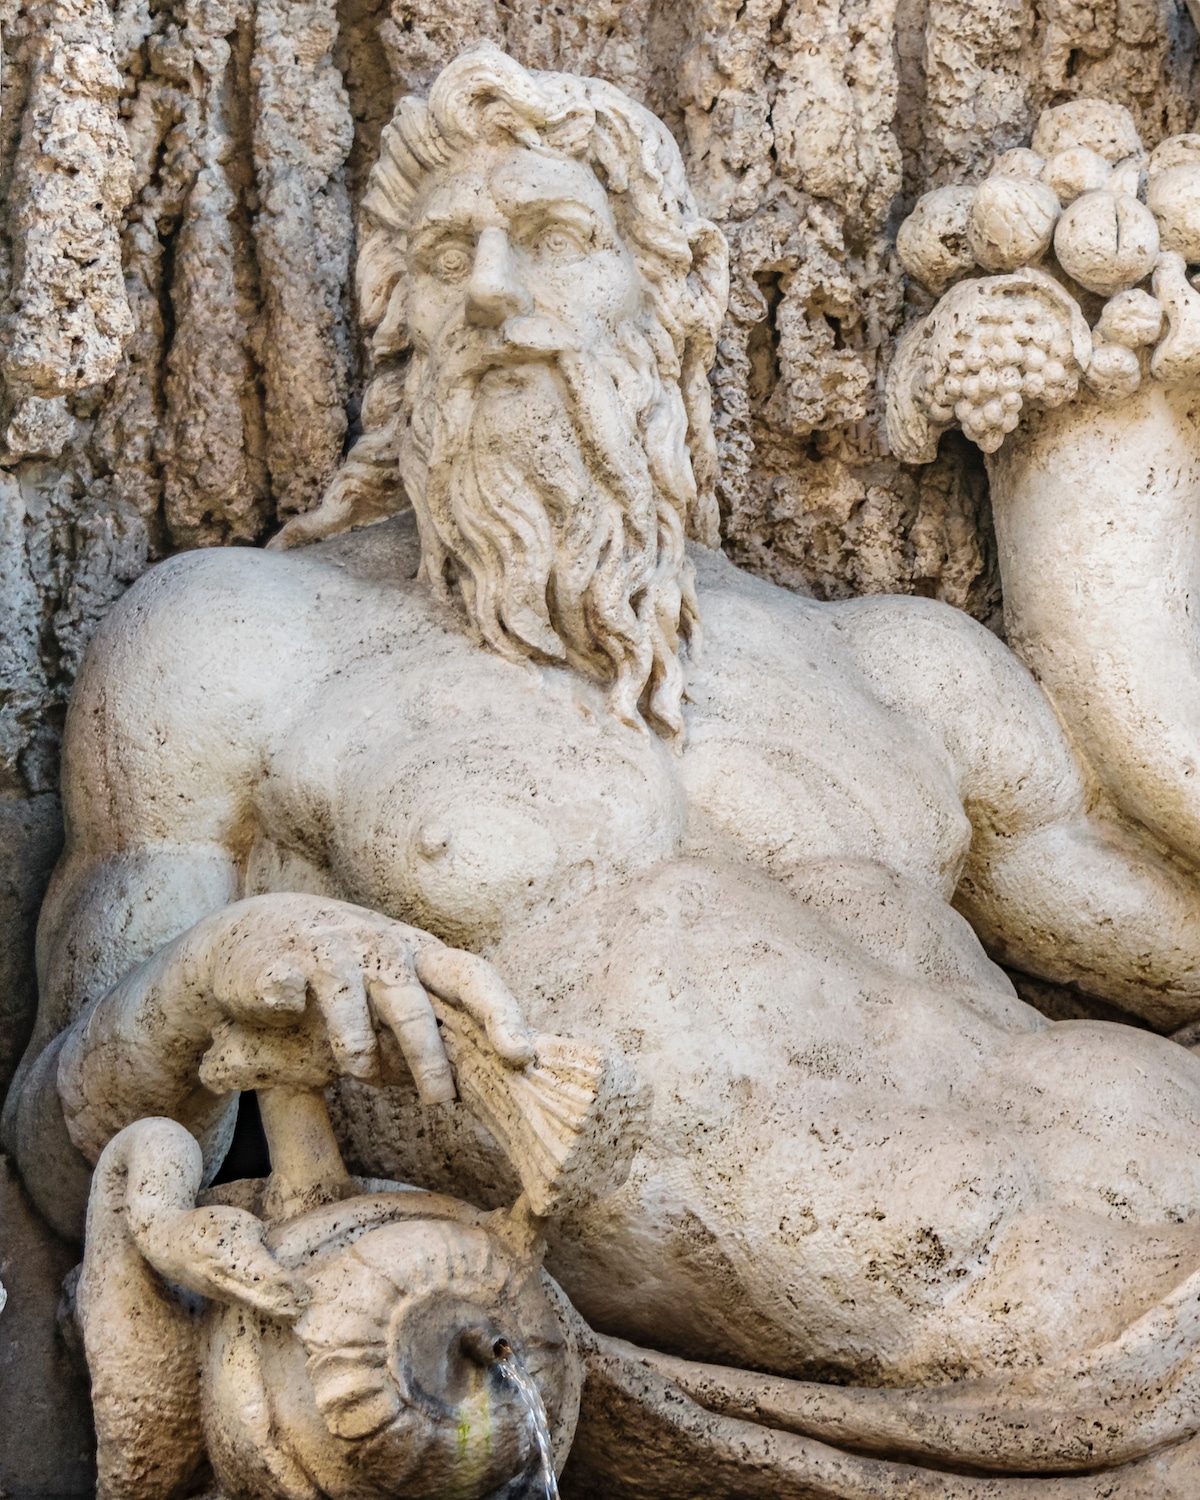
(515,1372)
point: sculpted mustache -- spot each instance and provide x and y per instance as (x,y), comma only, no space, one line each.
(453,370)
(607,436)
(467,354)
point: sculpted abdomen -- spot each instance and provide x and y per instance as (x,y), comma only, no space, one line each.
(832,1157)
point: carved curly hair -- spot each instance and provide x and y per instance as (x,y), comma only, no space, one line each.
(683,259)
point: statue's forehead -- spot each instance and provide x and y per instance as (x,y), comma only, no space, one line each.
(493,185)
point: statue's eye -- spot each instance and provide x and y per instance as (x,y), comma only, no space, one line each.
(451,263)
(558,244)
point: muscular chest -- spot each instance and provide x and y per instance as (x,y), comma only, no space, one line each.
(793,759)
(467,795)
(471,796)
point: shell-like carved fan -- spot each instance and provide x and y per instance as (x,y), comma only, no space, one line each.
(568,1122)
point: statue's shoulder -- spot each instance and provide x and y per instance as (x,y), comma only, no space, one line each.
(763,616)
(199,598)
(731,593)
(719,578)
(256,624)
(387,553)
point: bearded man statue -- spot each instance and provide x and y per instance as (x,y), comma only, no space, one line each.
(586,408)
(882,1228)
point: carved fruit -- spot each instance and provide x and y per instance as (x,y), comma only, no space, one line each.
(1175,151)
(1012,222)
(998,351)
(1019,162)
(1113,372)
(1106,241)
(1126,177)
(989,348)
(1177,358)
(1130,319)
(1174,199)
(932,242)
(1075,171)
(1107,129)
(1014,353)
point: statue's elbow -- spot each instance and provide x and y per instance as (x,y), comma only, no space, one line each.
(33,1132)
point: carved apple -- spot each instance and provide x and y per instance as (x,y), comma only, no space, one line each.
(1012,222)
(1106,241)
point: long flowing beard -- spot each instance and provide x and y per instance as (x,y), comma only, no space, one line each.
(538,505)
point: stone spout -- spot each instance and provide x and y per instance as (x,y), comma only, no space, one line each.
(389,1382)
(1096,515)
(321,1329)
(366,1343)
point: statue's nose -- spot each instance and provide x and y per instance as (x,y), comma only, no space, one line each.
(495,291)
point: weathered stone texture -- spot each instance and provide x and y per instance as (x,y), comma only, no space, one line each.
(66,317)
(180,363)
(219,145)
(43,1377)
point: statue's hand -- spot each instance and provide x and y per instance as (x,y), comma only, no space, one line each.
(307,989)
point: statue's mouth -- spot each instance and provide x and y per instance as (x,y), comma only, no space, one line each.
(468,352)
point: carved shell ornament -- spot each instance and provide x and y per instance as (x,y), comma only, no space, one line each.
(1087,241)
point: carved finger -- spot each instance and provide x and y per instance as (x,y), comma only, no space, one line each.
(471,982)
(251,979)
(337,985)
(403,1006)
(249,1057)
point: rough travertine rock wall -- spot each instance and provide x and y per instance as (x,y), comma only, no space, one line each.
(179,362)
(178,353)
(179,359)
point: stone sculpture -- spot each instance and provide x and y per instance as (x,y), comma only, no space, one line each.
(379,1342)
(1093,353)
(844,1217)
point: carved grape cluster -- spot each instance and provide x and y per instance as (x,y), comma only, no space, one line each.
(1014,354)
(1084,213)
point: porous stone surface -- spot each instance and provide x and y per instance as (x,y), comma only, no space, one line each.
(641,914)
(183,364)
(45,1414)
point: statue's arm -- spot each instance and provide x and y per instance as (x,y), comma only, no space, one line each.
(143,941)
(154,776)
(104,919)
(1055,884)
(279,988)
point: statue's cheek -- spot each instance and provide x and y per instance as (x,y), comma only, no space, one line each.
(603,286)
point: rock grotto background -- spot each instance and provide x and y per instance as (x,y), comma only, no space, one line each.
(180,365)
